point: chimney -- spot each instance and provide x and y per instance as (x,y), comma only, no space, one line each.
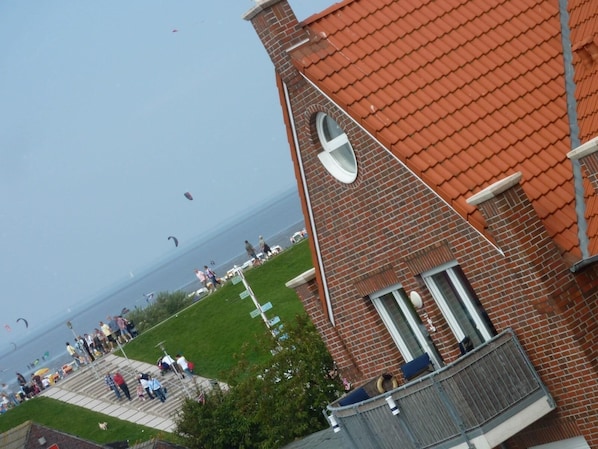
(278,29)
(520,233)
(587,155)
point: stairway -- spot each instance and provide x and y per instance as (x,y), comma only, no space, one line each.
(85,387)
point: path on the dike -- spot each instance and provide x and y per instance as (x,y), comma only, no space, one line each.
(85,387)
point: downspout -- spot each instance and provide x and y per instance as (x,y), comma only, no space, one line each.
(580,206)
(306,193)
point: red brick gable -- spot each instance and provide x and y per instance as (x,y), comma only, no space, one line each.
(463,92)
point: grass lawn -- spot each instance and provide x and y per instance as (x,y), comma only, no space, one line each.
(76,420)
(209,333)
(213,330)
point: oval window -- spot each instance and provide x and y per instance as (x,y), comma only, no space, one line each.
(337,156)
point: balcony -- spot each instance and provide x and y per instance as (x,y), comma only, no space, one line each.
(480,400)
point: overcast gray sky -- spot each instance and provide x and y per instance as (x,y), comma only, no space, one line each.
(109,112)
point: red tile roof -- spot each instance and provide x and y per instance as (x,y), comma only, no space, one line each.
(464,92)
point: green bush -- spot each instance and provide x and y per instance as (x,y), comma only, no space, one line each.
(270,404)
(164,306)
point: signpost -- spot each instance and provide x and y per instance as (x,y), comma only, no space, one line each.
(244,294)
(259,309)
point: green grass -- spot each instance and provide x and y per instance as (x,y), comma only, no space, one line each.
(210,333)
(78,421)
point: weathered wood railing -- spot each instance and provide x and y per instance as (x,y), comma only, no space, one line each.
(480,400)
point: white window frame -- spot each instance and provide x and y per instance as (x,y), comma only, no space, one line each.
(415,326)
(465,297)
(327,158)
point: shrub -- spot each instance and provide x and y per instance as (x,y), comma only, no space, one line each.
(164,306)
(267,405)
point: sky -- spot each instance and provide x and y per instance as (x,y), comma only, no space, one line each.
(109,112)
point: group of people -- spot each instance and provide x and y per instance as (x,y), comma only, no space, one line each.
(208,278)
(27,390)
(101,340)
(265,249)
(180,366)
(8,400)
(146,385)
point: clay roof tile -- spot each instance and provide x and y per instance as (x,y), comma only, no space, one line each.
(476,85)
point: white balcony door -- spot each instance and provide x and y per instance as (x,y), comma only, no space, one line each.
(458,304)
(404,324)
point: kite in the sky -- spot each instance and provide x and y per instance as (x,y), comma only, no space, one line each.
(188,196)
(7,327)
(24,321)
(176,242)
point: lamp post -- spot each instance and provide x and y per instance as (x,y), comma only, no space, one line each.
(121,349)
(180,378)
(93,367)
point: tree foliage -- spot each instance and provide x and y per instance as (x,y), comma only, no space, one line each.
(268,405)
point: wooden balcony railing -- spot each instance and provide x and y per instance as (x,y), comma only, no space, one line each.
(480,400)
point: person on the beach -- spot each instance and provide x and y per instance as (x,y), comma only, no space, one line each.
(109,380)
(120,381)
(124,330)
(73,353)
(211,276)
(250,250)
(114,329)
(143,379)
(264,247)
(202,277)
(21,379)
(140,391)
(157,389)
(111,342)
(83,348)
(99,341)
(183,364)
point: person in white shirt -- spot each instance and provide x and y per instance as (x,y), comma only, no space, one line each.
(183,364)
(143,379)
(174,365)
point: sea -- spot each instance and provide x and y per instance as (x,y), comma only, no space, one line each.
(221,249)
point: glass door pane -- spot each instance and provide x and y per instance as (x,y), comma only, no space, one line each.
(401,324)
(451,298)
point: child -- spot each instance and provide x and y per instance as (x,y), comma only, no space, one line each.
(140,392)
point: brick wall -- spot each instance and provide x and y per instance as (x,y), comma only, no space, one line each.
(387,215)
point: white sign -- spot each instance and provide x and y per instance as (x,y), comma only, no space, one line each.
(266,306)
(244,294)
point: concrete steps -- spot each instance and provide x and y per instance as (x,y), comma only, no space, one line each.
(85,387)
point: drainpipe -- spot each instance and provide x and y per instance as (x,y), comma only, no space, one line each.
(580,206)
(306,192)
